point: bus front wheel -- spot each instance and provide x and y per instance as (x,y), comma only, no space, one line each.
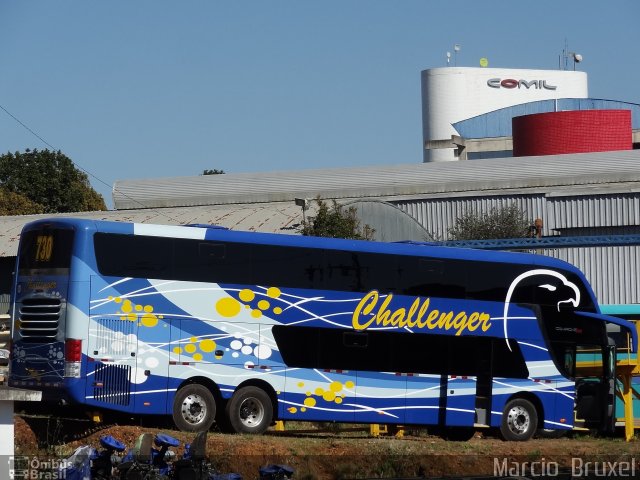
(519,420)
(194,408)
(249,410)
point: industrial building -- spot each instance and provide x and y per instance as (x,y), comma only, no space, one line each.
(467,113)
(576,194)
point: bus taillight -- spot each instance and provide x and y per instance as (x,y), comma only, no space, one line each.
(72,357)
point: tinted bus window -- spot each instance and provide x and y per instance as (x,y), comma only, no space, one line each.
(133,255)
(287,266)
(200,261)
(398,352)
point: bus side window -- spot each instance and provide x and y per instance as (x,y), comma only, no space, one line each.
(133,255)
(283,266)
(355,339)
(209,252)
(432,278)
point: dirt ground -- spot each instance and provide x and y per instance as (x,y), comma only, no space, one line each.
(334,454)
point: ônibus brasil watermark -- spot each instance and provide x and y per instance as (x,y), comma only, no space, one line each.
(577,468)
(35,468)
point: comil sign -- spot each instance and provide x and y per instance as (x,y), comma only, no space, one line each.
(512,83)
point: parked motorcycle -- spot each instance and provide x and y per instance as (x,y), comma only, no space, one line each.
(151,459)
(86,463)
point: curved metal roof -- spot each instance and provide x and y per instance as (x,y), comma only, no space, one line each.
(604,169)
(498,122)
(275,218)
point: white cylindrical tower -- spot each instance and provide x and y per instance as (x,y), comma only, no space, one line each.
(453,94)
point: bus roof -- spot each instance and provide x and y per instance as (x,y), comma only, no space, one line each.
(202,232)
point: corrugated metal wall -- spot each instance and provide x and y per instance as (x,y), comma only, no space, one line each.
(612,271)
(593,210)
(439,215)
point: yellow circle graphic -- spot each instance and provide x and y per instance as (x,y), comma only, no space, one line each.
(197,357)
(329,396)
(310,402)
(149,320)
(263,305)
(228,307)
(273,292)
(207,345)
(246,295)
(277,310)
(127,306)
(190,348)
(335,386)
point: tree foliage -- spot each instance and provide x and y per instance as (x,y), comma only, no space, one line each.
(12,203)
(506,222)
(46,181)
(336,221)
(214,171)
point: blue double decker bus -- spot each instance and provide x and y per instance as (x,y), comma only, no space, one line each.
(239,328)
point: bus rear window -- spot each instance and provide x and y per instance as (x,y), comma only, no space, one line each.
(45,249)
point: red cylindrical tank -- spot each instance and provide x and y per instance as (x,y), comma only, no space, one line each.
(576,131)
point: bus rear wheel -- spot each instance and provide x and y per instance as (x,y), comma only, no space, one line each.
(250,410)
(194,408)
(519,420)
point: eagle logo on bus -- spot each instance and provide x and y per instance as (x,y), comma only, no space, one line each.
(552,286)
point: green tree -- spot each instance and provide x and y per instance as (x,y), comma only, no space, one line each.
(215,171)
(46,179)
(12,203)
(506,222)
(336,221)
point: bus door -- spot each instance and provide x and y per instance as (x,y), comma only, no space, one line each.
(595,368)
(458,400)
(467,357)
(609,387)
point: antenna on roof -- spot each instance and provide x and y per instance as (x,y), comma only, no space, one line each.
(456,49)
(563,61)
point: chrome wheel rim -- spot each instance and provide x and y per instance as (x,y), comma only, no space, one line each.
(194,409)
(251,412)
(518,420)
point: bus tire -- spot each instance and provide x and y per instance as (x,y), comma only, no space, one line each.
(250,410)
(194,408)
(519,420)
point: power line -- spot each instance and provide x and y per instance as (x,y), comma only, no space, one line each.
(87,172)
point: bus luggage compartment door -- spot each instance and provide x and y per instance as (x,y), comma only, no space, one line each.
(458,401)
(112,363)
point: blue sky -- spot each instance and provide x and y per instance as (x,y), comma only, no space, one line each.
(156,88)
